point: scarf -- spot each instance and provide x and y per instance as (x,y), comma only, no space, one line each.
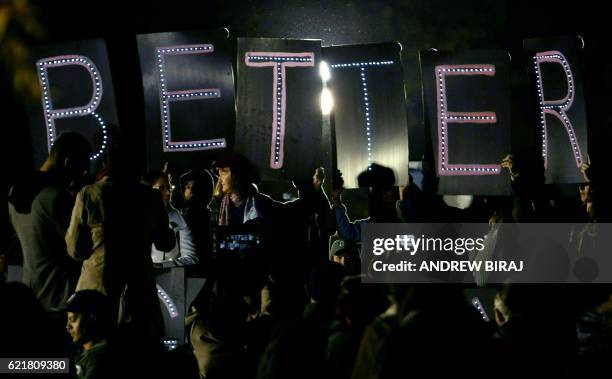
(250,210)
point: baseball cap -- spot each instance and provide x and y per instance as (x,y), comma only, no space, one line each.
(338,247)
(90,302)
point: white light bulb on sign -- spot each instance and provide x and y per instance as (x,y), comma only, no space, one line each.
(279,62)
(186,95)
(324,71)
(327,101)
(366,105)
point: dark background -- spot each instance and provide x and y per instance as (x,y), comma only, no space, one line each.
(417,25)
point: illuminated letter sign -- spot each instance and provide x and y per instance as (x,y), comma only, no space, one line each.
(445,117)
(278,62)
(557,108)
(185,95)
(369,125)
(52,114)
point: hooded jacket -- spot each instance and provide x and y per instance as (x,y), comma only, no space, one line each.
(39,209)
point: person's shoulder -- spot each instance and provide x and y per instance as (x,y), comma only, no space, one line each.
(366,220)
(98,349)
(39,182)
(215,201)
(263,197)
(377,332)
(94,189)
(92,362)
(174,212)
(52,194)
(176,215)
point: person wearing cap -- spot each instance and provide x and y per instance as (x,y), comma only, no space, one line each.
(336,250)
(88,323)
(347,255)
(113,225)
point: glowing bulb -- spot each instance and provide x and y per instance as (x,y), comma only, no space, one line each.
(324,71)
(327,101)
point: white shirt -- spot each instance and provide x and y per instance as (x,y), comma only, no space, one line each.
(184,252)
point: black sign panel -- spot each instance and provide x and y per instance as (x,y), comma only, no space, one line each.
(467,111)
(558,97)
(188,85)
(76,95)
(279,124)
(369,112)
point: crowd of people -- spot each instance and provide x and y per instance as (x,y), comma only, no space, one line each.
(286,303)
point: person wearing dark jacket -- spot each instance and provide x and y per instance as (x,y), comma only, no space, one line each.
(26,329)
(297,348)
(242,203)
(88,323)
(39,208)
(280,224)
(114,223)
(430,341)
(238,277)
(382,201)
(528,336)
(357,306)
